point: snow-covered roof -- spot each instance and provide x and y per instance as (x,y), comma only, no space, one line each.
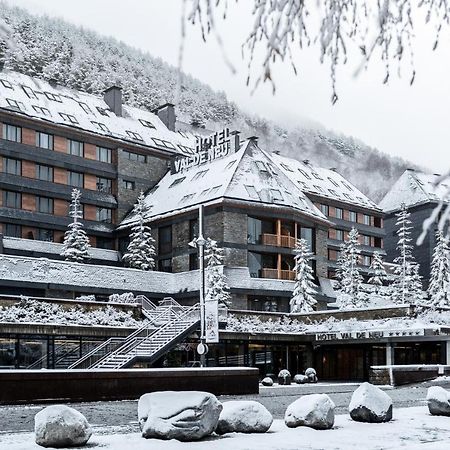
(322,182)
(60,105)
(247,175)
(415,188)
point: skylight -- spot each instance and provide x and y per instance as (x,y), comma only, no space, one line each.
(286,167)
(186,198)
(200,174)
(230,164)
(316,175)
(68,118)
(85,108)
(101,126)
(15,104)
(177,181)
(54,97)
(30,93)
(133,135)
(103,111)
(304,174)
(215,189)
(261,166)
(163,143)
(146,123)
(42,110)
(333,181)
(7,84)
(252,192)
(346,185)
(276,194)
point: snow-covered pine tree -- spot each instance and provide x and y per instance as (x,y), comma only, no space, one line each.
(407,281)
(303,299)
(439,287)
(76,243)
(378,272)
(216,281)
(141,249)
(350,280)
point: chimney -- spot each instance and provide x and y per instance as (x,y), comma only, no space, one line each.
(113,98)
(235,143)
(253,139)
(306,162)
(276,152)
(166,113)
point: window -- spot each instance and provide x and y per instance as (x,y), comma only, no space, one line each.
(100,126)
(12,199)
(104,154)
(261,166)
(339,213)
(317,188)
(42,110)
(365,240)
(104,215)
(44,173)
(12,166)
(44,140)
(286,167)
(146,123)
(44,235)
(333,192)
(213,190)
(367,260)
(68,118)
(44,205)
(135,156)
(276,195)
(193,261)
(304,174)
(200,174)
(333,181)
(12,230)
(324,209)
(14,104)
(165,240)
(346,185)
(165,265)
(252,192)
(340,235)
(104,185)
(347,196)
(177,181)
(103,111)
(105,243)
(378,222)
(75,148)
(129,185)
(352,216)
(230,164)
(186,198)
(12,133)
(193,229)
(366,219)
(6,84)
(133,135)
(161,143)
(76,179)
(29,91)
(316,175)
(54,97)
(85,107)
(308,234)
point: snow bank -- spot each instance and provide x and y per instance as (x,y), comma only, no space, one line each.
(61,426)
(370,404)
(438,400)
(244,416)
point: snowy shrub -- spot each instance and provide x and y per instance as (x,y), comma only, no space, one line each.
(127,297)
(86,298)
(34,311)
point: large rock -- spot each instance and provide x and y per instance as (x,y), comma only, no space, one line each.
(311,374)
(370,404)
(186,416)
(438,400)
(314,411)
(61,426)
(284,377)
(267,381)
(244,416)
(301,379)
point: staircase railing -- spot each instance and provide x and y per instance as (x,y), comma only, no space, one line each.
(129,349)
(97,353)
(72,346)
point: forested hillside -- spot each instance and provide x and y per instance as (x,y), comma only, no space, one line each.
(79,58)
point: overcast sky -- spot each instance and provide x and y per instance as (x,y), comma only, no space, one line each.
(402,120)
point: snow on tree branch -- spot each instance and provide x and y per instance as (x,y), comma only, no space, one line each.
(280,27)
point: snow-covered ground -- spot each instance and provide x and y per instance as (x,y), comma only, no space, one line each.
(411,428)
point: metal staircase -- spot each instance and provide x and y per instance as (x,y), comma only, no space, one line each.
(169,323)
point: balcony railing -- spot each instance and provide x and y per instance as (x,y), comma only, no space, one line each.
(276,274)
(278,240)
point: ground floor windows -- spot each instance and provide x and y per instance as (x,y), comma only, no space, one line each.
(267,303)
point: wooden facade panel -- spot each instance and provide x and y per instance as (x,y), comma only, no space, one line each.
(90,151)
(60,175)
(90,212)
(61,207)
(60,144)
(29,202)
(28,169)
(28,136)
(90,182)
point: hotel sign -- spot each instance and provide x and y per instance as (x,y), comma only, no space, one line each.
(347,335)
(207,149)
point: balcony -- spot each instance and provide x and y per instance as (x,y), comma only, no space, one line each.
(276,274)
(278,240)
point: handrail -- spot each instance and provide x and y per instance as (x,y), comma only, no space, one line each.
(44,357)
(95,350)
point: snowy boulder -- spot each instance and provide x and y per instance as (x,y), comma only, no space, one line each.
(311,374)
(438,400)
(284,377)
(314,411)
(61,426)
(186,416)
(370,404)
(267,381)
(244,416)
(301,379)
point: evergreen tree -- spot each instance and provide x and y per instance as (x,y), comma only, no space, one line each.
(407,284)
(378,272)
(216,281)
(141,249)
(302,299)
(350,280)
(76,243)
(439,287)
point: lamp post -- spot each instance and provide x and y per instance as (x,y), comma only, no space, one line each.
(200,243)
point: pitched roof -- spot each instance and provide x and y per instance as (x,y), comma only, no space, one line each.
(60,105)
(415,188)
(322,182)
(247,175)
